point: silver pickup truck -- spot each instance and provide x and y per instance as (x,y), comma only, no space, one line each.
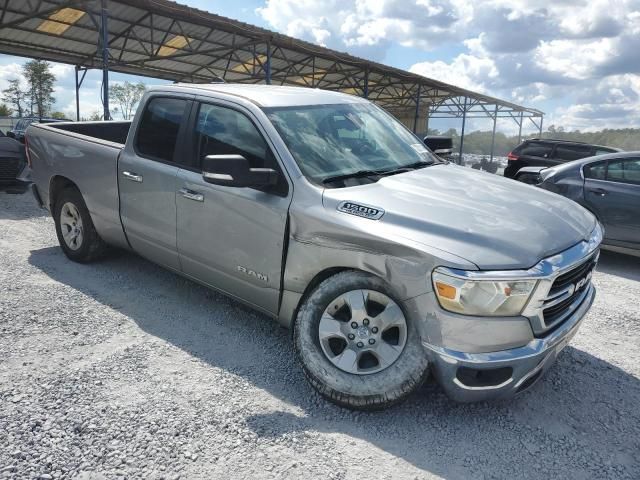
(324,212)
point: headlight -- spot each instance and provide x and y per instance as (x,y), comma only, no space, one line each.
(482,297)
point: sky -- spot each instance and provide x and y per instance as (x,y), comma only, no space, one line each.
(576,60)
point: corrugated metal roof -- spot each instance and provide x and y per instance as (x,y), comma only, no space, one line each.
(163,39)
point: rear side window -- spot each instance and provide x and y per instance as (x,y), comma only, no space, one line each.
(624,171)
(572,152)
(535,149)
(158,130)
(603,151)
(596,171)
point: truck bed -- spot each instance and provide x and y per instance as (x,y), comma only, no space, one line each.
(115,132)
(85,154)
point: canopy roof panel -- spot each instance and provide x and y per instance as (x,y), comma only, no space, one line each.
(163,39)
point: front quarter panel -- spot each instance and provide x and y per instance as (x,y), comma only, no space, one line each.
(322,239)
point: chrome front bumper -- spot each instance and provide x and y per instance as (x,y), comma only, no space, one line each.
(526,364)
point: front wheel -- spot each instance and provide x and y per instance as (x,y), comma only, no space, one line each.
(356,345)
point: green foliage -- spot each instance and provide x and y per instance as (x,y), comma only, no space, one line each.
(59,115)
(624,138)
(5,111)
(127,95)
(479,142)
(94,117)
(15,96)
(40,92)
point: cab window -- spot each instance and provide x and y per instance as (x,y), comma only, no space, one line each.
(221,131)
(224,131)
(159,126)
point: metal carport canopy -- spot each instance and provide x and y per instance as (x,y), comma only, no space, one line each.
(163,39)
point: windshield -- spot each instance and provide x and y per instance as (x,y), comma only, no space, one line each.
(329,141)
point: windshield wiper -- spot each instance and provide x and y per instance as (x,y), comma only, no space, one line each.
(411,166)
(356,174)
(376,173)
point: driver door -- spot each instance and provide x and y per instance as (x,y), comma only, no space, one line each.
(232,238)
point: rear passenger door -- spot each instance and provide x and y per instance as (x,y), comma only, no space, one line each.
(612,191)
(147,172)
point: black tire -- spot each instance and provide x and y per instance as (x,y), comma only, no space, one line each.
(372,391)
(92,247)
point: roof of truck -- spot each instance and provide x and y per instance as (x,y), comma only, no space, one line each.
(272,95)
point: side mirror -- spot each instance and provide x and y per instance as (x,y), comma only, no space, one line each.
(234,171)
(439,145)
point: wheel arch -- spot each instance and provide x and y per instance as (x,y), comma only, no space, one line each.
(56,185)
(292,301)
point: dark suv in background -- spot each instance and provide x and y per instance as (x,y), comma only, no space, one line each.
(549,153)
(21,127)
(13,164)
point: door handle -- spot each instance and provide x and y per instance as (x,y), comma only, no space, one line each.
(598,191)
(191,195)
(134,177)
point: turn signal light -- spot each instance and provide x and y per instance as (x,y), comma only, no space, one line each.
(446,291)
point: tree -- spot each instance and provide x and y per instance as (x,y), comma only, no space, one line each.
(59,115)
(127,95)
(14,95)
(95,116)
(5,111)
(40,80)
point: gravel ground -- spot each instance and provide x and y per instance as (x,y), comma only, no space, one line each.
(120,369)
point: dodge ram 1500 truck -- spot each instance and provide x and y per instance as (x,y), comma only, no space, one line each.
(323,211)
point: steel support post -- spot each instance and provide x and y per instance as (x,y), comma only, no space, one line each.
(426,121)
(77,96)
(105,59)
(541,118)
(464,121)
(520,129)
(78,85)
(366,83)
(268,64)
(493,134)
(415,118)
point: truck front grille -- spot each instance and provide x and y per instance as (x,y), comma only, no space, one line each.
(567,291)
(9,168)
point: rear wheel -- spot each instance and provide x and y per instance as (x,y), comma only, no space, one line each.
(77,235)
(356,345)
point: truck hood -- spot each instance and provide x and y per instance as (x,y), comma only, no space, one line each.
(491,221)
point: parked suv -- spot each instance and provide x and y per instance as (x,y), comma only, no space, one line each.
(549,153)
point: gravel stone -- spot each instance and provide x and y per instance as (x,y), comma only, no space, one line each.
(120,369)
